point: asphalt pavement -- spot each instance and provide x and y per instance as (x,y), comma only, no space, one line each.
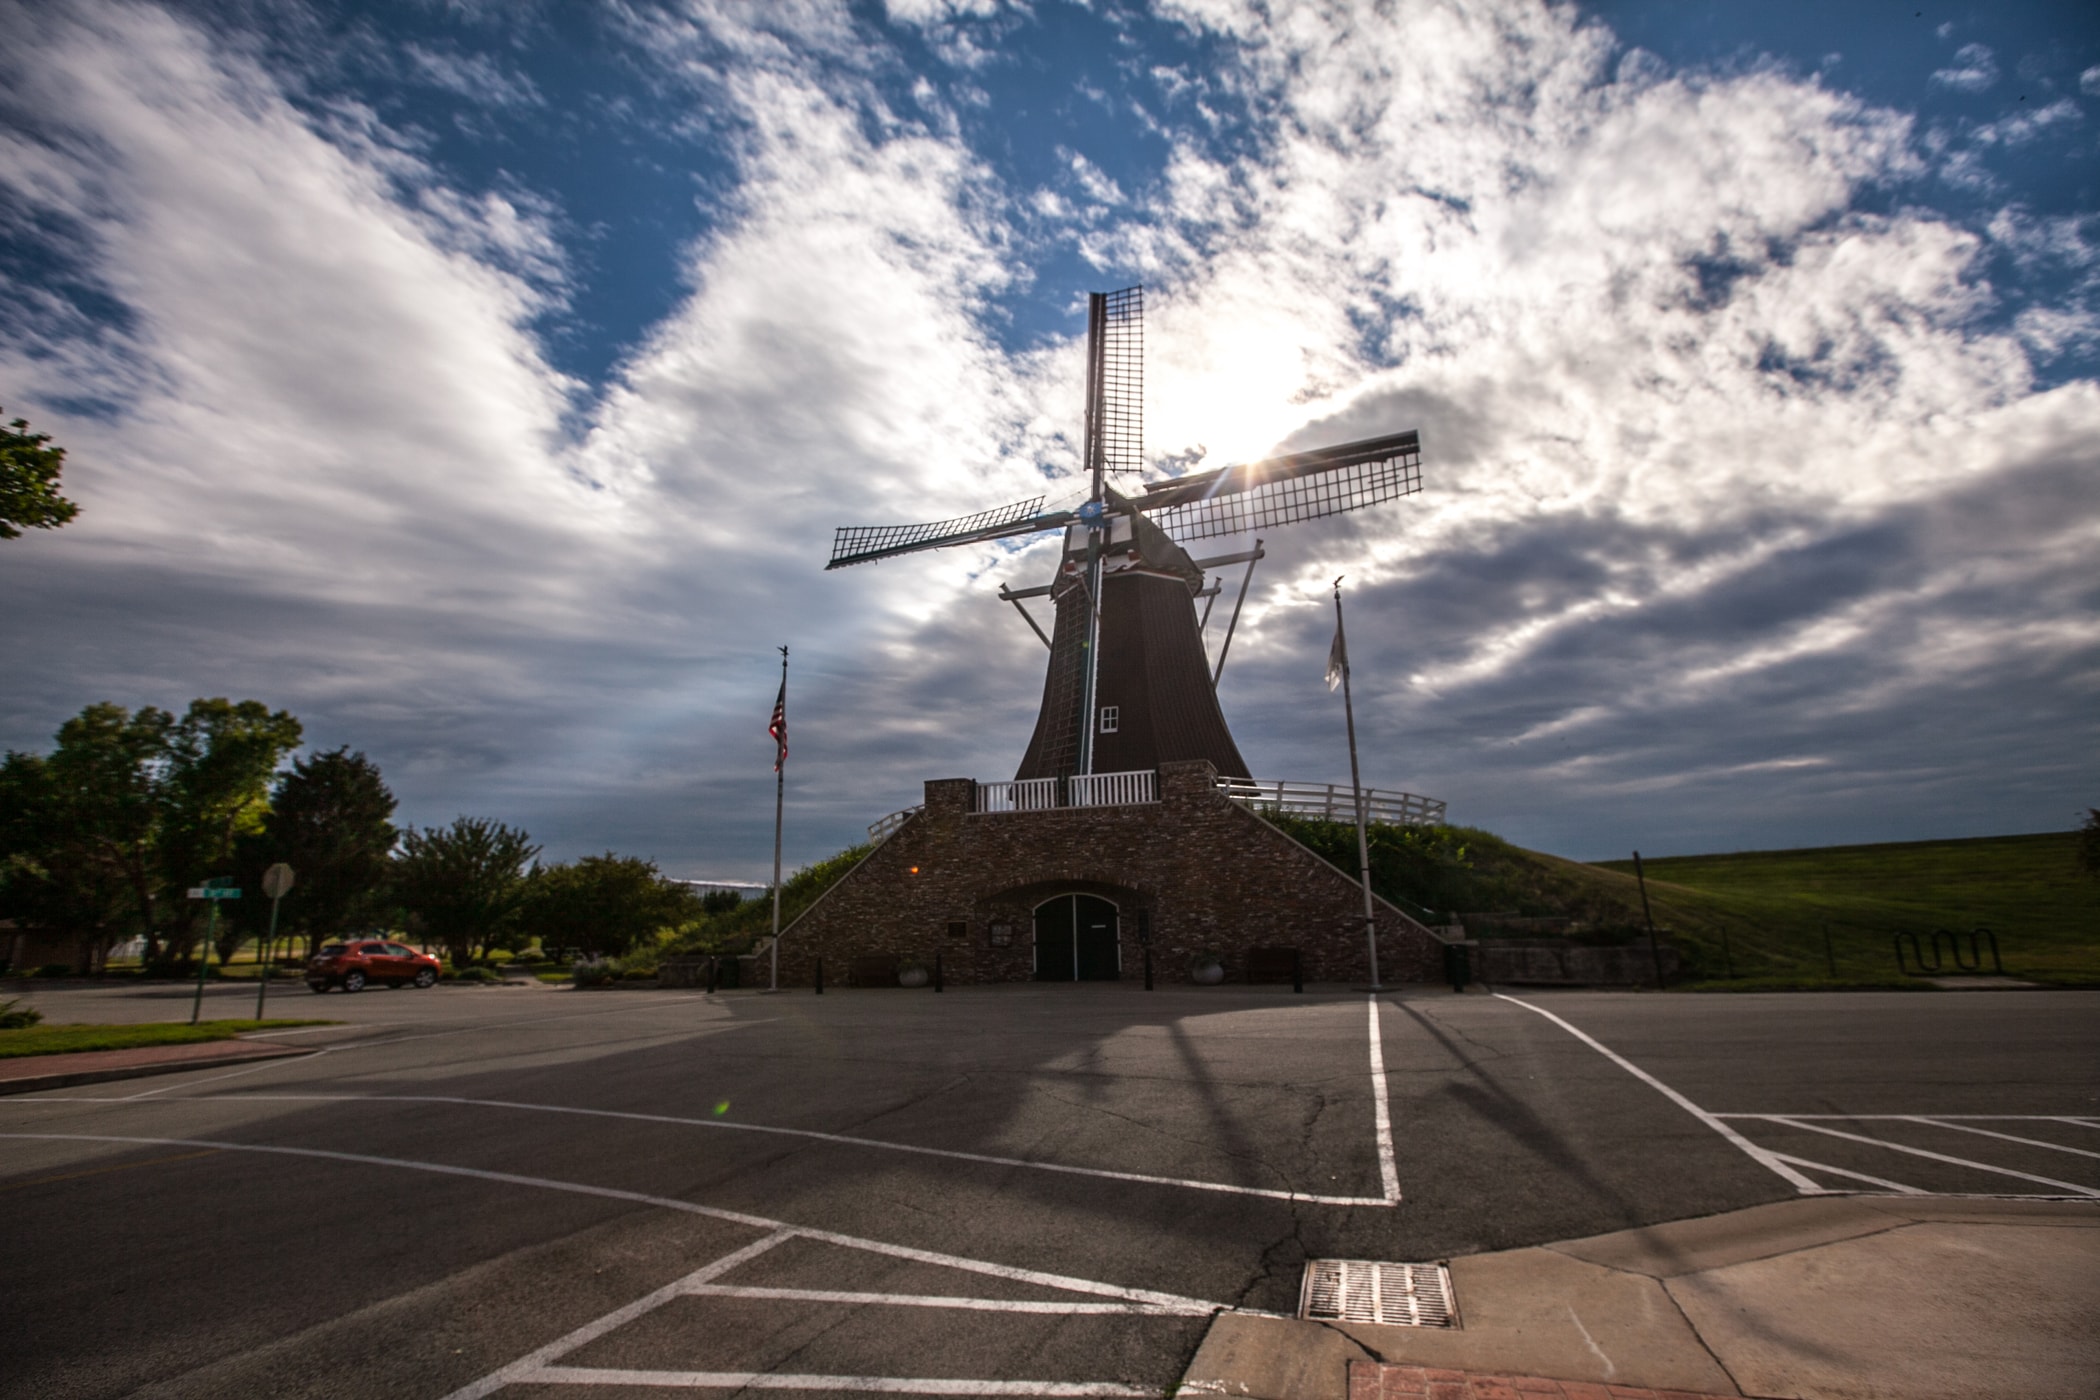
(529,1192)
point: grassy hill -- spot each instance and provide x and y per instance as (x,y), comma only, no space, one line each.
(2029,890)
(1757,919)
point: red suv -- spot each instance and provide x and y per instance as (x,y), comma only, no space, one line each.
(352,966)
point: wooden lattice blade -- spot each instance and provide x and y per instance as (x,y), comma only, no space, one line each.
(1301,486)
(862,544)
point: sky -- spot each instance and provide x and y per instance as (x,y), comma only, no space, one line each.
(482,380)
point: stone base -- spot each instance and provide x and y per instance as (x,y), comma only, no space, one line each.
(1190,874)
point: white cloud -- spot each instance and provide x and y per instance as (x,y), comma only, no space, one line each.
(1974,70)
(1723,471)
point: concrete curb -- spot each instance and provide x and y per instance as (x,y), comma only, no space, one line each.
(68,1070)
(1832,1297)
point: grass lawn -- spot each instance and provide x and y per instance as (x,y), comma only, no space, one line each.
(59,1040)
(1776,905)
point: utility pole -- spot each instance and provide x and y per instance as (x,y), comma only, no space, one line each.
(778,729)
(1356,785)
(1654,948)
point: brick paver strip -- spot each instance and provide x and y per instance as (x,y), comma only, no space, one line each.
(22,1074)
(1378,1380)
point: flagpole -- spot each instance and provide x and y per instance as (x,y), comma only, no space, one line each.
(779,804)
(1356,787)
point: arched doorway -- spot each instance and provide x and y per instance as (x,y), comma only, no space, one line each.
(1075,940)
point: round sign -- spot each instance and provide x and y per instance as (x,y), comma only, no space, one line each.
(276,880)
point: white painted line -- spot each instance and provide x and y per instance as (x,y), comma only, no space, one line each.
(737,1217)
(1388,1169)
(230,1074)
(921,1300)
(618,1317)
(892,1385)
(1934,1117)
(1765,1158)
(1263,1192)
(1933,1156)
(2004,1137)
(1896,1186)
(1931,1120)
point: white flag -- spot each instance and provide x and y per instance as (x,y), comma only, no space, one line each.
(1337,658)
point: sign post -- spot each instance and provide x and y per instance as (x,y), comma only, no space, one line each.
(215,889)
(277,881)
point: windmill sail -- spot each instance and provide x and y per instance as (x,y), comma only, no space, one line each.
(1302,486)
(861,544)
(1128,685)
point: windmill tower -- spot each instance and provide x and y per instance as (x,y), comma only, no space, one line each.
(1129,685)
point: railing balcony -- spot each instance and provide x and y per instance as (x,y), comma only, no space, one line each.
(1027,795)
(1080,790)
(1335,802)
(1113,789)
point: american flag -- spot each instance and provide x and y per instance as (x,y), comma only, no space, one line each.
(779,727)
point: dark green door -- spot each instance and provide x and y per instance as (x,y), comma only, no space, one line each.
(1098,961)
(1075,940)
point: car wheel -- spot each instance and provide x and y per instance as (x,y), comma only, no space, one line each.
(425,979)
(353,981)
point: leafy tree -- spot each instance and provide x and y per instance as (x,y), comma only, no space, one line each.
(29,482)
(330,819)
(719,901)
(604,905)
(2089,841)
(220,759)
(79,827)
(462,884)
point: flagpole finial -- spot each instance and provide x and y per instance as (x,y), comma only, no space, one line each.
(1338,582)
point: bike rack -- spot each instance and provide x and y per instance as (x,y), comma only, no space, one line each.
(1972,962)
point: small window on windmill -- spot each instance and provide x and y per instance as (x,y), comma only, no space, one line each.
(958,929)
(1111,718)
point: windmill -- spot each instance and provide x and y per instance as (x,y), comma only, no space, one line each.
(1129,685)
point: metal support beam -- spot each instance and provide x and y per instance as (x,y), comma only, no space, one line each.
(1015,599)
(1252,557)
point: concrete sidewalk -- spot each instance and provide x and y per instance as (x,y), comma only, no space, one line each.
(26,1074)
(1823,1298)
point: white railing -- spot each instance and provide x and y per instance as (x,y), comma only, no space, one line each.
(1113,789)
(1334,802)
(879,832)
(1027,795)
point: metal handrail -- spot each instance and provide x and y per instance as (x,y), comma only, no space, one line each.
(1335,802)
(882,829)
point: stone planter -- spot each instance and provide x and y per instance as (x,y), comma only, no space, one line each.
(913,977)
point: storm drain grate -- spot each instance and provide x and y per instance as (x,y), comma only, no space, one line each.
(1362,1290)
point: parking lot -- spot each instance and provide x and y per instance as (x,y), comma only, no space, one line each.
(1020,1189)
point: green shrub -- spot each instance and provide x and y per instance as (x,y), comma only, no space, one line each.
(473,974)
(15,1017)
(598,974)
(638,974)
(53,970)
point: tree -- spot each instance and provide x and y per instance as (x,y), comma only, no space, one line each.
(330,819)
(603,905)
(216,789)
(79,827)
(2089,842)
(29,482)
(462,884)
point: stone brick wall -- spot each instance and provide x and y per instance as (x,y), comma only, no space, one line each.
(1205,875)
